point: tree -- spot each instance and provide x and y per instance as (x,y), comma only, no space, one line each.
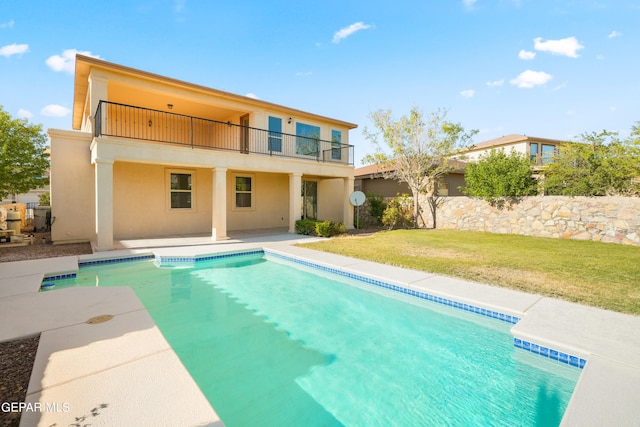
(421,150)
(23,160)
(499,178)
(601,165)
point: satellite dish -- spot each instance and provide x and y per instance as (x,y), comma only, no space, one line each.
(357,198)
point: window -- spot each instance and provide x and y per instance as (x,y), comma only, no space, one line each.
(181,190)
(548,152)
(533,152)
(309,200)
(443,189)
(336,145)
(244,192)
(275,134)
(307,139)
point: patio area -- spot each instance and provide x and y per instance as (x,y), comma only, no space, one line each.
(124,367)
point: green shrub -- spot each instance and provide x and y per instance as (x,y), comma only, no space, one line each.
(330,228)
(399,213)
(306,227)
(376,206)
(44,199)
(311,227)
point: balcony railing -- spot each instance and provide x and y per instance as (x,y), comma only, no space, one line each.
(541,160)
(126,121)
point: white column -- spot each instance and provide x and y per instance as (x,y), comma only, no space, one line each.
(98,89)
(347,210)
(104,203)
(295,200)
(219,208)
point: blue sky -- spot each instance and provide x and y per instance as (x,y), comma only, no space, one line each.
(546,68)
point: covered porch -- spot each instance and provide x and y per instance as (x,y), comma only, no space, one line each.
(142,201)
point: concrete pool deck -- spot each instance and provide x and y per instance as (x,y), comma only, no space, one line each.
(123,372)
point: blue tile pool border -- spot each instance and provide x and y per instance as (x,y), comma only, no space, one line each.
(550,353)
(185,259)
(88,263)
(60,276)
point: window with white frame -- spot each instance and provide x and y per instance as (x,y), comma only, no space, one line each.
(180,190)
(244,192)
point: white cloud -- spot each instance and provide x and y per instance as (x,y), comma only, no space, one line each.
(7,24)
(347,31)
(469,3)
(528,79)
(566,47)
(67,61)
(559,87)
(179,5)
(468,93)
(252,95)
(13,49)
(614,34)
(526,55)
(54,110)
(612,108)
(24,114)
(496,83)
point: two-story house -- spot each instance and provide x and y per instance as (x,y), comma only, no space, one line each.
(539,150)
(152,156)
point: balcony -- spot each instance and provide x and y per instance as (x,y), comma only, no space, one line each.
(154,126)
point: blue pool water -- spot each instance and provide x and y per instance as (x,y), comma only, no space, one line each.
(275,343)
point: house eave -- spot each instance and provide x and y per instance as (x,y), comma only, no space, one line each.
(84,64)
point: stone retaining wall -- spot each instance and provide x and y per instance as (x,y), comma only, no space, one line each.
(602,219)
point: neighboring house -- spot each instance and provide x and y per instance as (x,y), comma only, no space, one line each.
(369,179)
(539,150)
(151,156)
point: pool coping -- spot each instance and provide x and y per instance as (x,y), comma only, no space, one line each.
(617,369)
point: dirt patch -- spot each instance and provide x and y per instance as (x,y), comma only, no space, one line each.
(16,364)
(41,248)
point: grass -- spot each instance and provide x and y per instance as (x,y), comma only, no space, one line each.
(598,274)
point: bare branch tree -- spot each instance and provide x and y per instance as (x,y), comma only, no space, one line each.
(417,150)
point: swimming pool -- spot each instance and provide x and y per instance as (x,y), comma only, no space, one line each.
(270,342)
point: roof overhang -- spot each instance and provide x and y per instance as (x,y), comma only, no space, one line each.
(85,64)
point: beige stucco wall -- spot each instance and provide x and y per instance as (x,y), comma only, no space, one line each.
(72,192)
(520,147)
(270,202)
(330,199)
(141,202)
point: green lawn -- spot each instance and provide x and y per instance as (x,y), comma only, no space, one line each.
(599,274)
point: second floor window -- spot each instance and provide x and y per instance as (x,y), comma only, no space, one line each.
(533,152)
(336,145)
(307,139)
(275,134)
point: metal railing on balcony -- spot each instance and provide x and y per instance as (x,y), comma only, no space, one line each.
(126,121)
